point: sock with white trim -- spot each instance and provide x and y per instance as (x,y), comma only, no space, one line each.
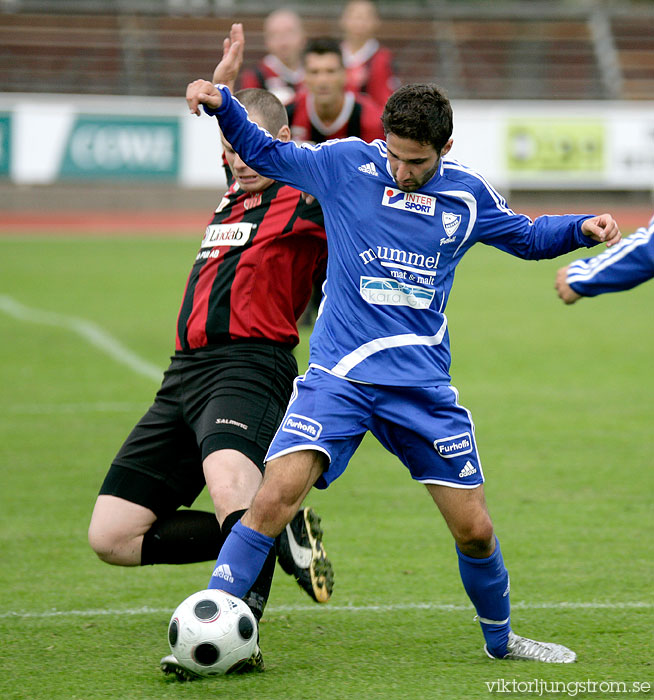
(257,597)
(486,582)
(240,560)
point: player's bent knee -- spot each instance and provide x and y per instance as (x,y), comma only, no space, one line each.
(116,530)
(270,511)
(476,539)
(101,545)
(114,548)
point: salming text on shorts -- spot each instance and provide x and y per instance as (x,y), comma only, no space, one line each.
(231,396)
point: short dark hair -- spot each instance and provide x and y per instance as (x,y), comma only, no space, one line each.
(421,112)
(266,106)
(322,45)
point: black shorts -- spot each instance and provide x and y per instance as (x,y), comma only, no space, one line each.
(231,396)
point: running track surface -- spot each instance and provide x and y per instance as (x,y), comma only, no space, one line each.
(192,223)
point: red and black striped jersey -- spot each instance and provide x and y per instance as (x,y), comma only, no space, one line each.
(360,116)
(253,275)
(272,75)
(370,71)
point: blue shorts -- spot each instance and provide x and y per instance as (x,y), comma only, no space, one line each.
(433,436)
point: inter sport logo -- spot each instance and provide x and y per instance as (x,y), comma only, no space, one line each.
(454,446)
(386,291)
(409,201)
(301,425)
(394,197)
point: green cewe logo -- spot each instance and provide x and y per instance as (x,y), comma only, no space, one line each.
(5,143)
(120,147)
(574,146)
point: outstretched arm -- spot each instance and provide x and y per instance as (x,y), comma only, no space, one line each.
(603,229)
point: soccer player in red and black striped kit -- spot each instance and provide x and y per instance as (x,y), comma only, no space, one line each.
(326,109)
(227,386)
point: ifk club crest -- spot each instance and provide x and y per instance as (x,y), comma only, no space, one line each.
(451,223)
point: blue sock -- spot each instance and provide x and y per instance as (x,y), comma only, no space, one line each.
(487,584)
(240,560)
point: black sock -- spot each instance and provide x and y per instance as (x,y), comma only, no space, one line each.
(183,537)
(257,596)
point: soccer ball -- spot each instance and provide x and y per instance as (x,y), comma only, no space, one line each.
(212,633)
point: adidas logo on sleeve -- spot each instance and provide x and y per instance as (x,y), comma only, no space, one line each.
(369,169)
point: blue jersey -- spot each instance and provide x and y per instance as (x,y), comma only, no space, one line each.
(391,254)
(623,266)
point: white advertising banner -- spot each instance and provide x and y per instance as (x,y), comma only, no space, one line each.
(553,145)
(70,138)
(515,145)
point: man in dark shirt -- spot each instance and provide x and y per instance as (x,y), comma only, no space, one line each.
(227,387)
(327,110)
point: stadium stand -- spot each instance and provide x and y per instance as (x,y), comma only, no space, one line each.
(520,49)
(482,51)
(634,39)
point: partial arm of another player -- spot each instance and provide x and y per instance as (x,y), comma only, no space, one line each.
(625,266)
(563,289)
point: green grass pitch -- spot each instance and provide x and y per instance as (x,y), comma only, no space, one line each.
(562,399)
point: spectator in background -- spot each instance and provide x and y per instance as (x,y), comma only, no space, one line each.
(280,71)
(626,265)
(327,110)
(368,65)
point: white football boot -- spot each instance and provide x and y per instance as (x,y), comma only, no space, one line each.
(530,650)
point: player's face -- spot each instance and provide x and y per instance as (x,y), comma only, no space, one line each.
(325,77)
(412,163)
(249,180)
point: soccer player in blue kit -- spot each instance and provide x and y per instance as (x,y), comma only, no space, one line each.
(399,216)
(625,266)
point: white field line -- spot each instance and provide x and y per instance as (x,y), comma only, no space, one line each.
(87,330)
(393,607)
